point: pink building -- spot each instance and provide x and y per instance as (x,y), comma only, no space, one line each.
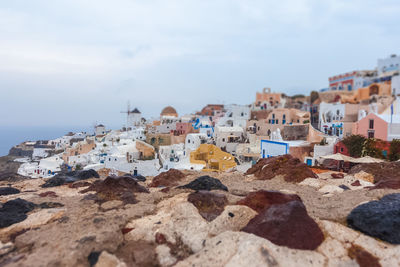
(372,126)
(183,128)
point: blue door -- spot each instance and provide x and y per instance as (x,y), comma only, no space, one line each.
(309,162)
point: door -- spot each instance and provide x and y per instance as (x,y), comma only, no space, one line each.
(309,162)
(134,172)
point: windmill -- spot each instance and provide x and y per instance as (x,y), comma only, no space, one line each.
(128,111)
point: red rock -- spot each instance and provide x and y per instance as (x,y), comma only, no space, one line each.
(363,257)
(263,199)
(337,175)
(168,178)
(160,239)
(116,188)
(165,190)
(288,225)
(356,183)
(390,183)
(126,230)
(292,169)
(79,184)
(48,194)
(209,204)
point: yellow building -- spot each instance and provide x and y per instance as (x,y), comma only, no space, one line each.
(213,158)
(381,89)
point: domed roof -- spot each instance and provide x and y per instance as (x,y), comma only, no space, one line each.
(169,111)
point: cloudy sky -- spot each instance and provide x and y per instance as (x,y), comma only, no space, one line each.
(76,62)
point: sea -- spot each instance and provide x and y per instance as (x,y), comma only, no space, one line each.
(13,135)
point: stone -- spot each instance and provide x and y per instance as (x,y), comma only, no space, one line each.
(70,177)
(263,199)
(242,249)
(330,189)
(380,219)
(205,183)
(292,169)
(33,220)
(116,188)
(356,183)
(113,204)
(6,248)
(106,259)
(363,257)
(287,225)
(362,175)
(337,175)
(344,187)
(48,194)
(79,184)
(14,211)
(4,191)
(49,205)
(168,178)
(93,257)
(209,204)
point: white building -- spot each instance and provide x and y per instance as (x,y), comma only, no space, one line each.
(228,138)
(194,140)
(134,118)
(388,64)
(235,116)
(100,130)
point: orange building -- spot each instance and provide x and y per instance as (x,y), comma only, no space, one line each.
(267,100)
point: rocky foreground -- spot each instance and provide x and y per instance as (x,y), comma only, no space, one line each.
(280,213)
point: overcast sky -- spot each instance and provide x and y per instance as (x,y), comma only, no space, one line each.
(76,62)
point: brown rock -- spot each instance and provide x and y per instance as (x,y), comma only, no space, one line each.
(263,199)
(363,257)
(48,194)
(209,204)
(168,178)
(79,184)
(288,225)
(356,183)
(379,171)
(292,169)
(160,239)
(116,188)
(392,184)
(337,175)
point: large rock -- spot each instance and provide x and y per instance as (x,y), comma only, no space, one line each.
(14,211)
(379,171)
(380,219)
(242,249)
(263,199)
(389,184)
(209,204)
(70,177)
(168,178)
(116,188)
(205,183)
(288,225)
(8,191)
(292,169)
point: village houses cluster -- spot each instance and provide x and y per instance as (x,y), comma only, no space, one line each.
(223,137)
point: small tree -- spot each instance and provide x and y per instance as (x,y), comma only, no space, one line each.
(370,149)
(78,167)
(394,151)
(354,144)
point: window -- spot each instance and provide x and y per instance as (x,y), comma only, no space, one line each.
(371,134)
(371,124)
(277,121)
(273,116)
(341,149)
(223,139)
